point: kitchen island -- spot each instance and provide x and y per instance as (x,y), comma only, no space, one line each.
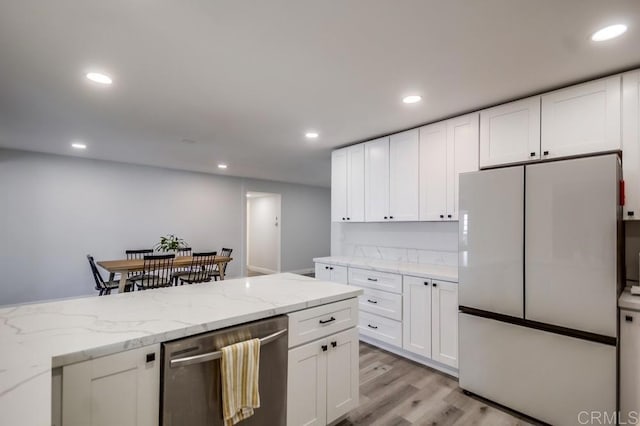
(37,338)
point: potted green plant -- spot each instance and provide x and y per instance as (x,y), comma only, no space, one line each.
(170,244)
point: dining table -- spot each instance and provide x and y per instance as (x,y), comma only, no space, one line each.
(125,266)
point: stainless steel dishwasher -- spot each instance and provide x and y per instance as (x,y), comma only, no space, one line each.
(191,388)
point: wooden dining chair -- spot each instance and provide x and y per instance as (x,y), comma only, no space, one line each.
(215,273)
(200,269)
(156,272)
(104,287)
(185,271)
(136,255)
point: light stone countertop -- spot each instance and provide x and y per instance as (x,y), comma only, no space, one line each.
(439,272)
(629,301)
(35,338)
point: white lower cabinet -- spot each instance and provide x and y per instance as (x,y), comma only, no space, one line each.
(629,366)
(444,339)
(323,381)
(430,319)
(334,273)
(120,389)
(416,325)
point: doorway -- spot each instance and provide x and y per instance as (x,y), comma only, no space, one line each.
(263,233)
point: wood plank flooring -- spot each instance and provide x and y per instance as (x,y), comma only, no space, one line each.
(397,391)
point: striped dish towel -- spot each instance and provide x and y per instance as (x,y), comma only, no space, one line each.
(239,374)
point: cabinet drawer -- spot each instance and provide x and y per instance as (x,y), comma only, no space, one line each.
(314,323)
(383,329)
(381,303)
(376,280)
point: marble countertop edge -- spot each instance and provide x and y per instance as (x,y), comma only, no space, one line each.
(422,270)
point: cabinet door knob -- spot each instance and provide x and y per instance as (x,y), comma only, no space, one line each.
(348,218)
(390,217)
(326,267)
(331,267)
(630,213)
(343,218)
(449,216)
(545,153)
(426,283)
(386,217)
(151,357)
(628,318)
(324,348)
(533,154)
(435,285)
(334,344)
(441,216)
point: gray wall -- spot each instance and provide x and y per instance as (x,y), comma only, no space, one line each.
(54,210)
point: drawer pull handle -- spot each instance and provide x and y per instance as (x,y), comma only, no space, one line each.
(327,321)
(372,279)
(375,327)
(372,301)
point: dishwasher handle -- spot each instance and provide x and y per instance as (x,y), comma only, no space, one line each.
(210,356)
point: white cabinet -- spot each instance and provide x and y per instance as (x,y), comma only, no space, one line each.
(629,364)
(328,272)
(444,307)
(416,324)
(581,119)
(391,178)
(347,184)
(119,389)
(433,171)
(376,180)
(446,149)
(510,133)
(631,142)
(323,382)
(307,385)
(403,176)
(430,321)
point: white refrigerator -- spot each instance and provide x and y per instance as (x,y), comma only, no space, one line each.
(539,277)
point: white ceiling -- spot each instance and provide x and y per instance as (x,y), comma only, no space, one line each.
(246,79)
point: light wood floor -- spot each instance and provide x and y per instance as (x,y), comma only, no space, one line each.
(396,391)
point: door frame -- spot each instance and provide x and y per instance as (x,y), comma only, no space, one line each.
(250,195)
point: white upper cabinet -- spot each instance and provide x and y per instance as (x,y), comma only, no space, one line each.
(510,133)
(462,156)
(403,176)
(347,184)
(355,183)
(581,119)
(339,185)
(433,171)
(631,143)
(447,149)
(376,180)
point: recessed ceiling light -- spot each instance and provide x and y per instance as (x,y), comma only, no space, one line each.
(311,135)
(411,99)
(248,195)
(78,145)
(222,166)
(99,78)
(607,33)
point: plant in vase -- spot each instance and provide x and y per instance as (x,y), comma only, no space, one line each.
(170,244)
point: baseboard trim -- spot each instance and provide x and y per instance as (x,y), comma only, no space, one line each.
(413,357)
(261,269)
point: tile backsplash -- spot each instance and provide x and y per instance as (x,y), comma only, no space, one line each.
(434,243)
